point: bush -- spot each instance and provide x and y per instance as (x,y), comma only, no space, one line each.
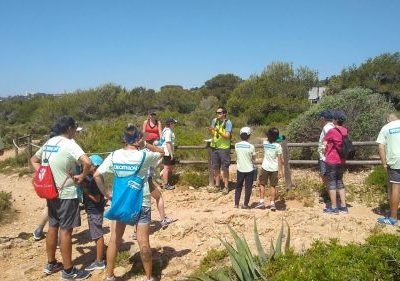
(365,112)
(378,177)
(5,203)
(211,260)
(195,179)
(378,259)
(10,164)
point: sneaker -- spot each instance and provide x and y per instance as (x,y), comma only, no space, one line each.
(236,206)
(51,268)
(75,275)
(343,210)
(389,221)
(272,207)
(169,187)
(38,235)
(165,222)
(133,236)
(112,278)
(331,211)
(260,205)
(245,207)
(96,265)
(225,191)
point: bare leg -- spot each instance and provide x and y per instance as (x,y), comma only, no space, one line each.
(332,196)
(117,231)
(342,195)
(273,193)
(66,247)
(156,194)
(394,200)
(166,174)
(262,192)
(44,217)
(51,243)
(145,250)
(225,177)
(100,249)
(217,177)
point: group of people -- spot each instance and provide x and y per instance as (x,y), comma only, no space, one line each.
(85,184)
(145,149)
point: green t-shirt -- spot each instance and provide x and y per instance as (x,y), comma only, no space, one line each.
(271,152)
(63,155)
(390,137)
(245,152)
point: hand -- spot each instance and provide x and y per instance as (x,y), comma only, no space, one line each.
(211,129)
(109,196)
(78,178)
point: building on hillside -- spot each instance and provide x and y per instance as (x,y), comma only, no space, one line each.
(316,94)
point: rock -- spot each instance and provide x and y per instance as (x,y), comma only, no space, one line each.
(6,245)
(172,273)
(119,271)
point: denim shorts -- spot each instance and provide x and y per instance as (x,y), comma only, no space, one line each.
(95,222)
(394,175)
(334,173)
(145,216)
(322,167)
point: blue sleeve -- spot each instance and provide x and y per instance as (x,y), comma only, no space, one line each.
(228,126)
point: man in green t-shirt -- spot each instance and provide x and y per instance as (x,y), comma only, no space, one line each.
(62,154)
(389,151)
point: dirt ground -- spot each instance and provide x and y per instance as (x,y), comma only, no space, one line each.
(201,218)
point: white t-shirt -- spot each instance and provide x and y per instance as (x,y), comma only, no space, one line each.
(245,152)
(63,155)
(325,129)
(271,152)
(168,136)
(390,137)
(125,162)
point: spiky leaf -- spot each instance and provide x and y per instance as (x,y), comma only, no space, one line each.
(260,249)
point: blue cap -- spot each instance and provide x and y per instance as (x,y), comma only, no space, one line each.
(340,116)
(326,114)
(96,160)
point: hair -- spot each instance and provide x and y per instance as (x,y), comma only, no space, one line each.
(63,124)
(272,134)
(223,109)
(132,134)
(244,136)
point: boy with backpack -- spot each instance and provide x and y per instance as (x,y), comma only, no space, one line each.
(335,160)
(245,153)
(94,203)
(272,168)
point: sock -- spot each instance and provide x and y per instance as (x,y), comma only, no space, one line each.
(272,202)
(69,270)
(261,200)
(53,262)
(40,227)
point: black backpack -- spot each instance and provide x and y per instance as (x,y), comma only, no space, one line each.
(347,151)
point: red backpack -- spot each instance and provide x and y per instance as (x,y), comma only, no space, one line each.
(43,180)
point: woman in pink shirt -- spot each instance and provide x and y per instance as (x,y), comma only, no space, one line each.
(335,164)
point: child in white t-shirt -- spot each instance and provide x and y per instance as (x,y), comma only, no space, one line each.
(271,168)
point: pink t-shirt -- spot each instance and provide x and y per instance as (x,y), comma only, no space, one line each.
(334,143)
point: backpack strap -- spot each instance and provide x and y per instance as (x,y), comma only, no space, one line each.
(47,158)
(141,163)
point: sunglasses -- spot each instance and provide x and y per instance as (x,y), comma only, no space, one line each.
(220,112)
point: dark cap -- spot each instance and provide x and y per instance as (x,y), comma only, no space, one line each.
(326,114)
(340,116)
(170,120)
(152,112)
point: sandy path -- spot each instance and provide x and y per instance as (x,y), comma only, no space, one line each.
(201,217)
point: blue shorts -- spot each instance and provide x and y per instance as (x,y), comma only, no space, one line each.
(322,167)
(394,175)
(145,216)
(335,176)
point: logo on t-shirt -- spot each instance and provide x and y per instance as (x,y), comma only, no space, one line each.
(394,131)
(51,148)
(125,167)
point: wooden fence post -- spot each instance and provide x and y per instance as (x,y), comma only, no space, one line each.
(30,145)
(16,145)
(288,174)
(210,170)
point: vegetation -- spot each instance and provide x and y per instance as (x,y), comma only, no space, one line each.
(5,204)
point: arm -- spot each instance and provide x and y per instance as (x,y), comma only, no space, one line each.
(170,149)
(100,184)
(144,126)
(382,154)
(159,128)
(85,161)
(35,162)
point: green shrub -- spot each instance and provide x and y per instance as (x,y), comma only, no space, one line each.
(123,258)
(378,259)
(378,177)
(211,260)
(195,179)
(5,203)
(10,164)
(365,111)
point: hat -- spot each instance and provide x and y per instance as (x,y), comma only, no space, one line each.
(245,130)
(131,134)
(78,129)
(280,138)
(96,160)
(326,114)
(339,116)
(152,112)
(170,120)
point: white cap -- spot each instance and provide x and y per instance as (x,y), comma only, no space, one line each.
(78,129)
(245,130)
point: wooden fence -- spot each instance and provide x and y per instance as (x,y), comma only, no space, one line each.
(285,151)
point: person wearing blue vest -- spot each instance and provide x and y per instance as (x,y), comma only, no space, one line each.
(125,163)
(221,130)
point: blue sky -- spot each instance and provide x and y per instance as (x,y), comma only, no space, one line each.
(61,46)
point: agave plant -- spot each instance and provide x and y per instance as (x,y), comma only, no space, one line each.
(247,267)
